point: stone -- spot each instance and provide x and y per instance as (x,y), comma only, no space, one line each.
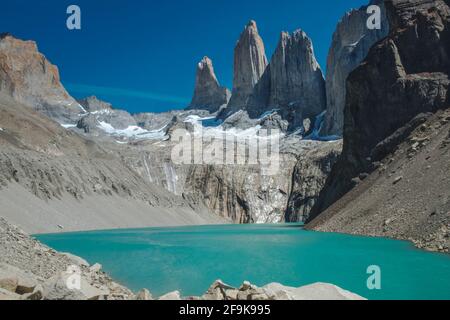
(19,281)
(317,291)
(208,93)
(397,180)
(76,260)
(96,268)
(220,291)
(144,294)
(8,295)
(56,288)
(9,283)
(171,296)
(37,294)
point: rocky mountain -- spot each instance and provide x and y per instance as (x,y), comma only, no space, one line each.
(107,155)
(101,116)
(292,84)
(53,179)
(249,64)
(208,93)
(28,77)
(351,43)
(402,85)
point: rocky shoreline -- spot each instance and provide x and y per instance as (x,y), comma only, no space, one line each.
(30,270)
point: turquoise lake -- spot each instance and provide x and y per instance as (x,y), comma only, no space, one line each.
(190,259)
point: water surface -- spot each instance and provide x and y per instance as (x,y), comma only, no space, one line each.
(189,259)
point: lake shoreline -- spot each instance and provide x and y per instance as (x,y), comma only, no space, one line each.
(289,246)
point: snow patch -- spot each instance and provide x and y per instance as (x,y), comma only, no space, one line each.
(133,132)
(68,126)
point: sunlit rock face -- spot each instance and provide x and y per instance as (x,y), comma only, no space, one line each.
(292,84)
(208,94)
(29,78)
(249,64)
(351,43)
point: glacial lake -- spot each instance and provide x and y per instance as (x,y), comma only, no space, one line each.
(190,259)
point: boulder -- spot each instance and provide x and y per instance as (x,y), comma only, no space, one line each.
(16,280)
(9,282)
(144,294)
(76,260)
(95,268)
(8,295)
(171,296)
(317,291)
(220,291)
(56,288)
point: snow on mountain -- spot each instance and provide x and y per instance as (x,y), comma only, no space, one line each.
(133,132)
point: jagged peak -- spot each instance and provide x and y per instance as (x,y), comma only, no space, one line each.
(252,25)
(205,62)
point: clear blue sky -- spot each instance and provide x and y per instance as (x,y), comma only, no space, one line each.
(141,55)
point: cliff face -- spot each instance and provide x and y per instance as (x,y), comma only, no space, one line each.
(351,43)
(249,64)
(292,83)
(308,178)
(404,75)
(28,77)
(208,94)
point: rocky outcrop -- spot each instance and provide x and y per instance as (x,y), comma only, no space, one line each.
(220,291)
(32,271)
(308,179)
(93,104)
(28,77)
(249,64)
(351,43)
(293,82)
(100,114)
(404,75)
(208,93)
